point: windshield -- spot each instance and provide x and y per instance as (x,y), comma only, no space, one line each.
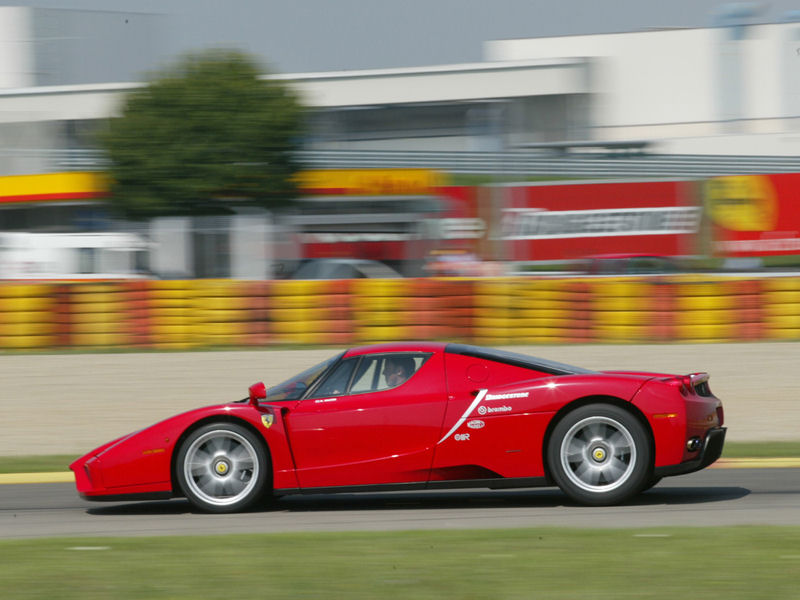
(294,388)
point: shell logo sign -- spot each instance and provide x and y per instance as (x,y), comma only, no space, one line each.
(742,203)
(53,187)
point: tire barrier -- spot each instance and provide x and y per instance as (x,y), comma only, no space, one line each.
(219,312)
(489,311)
(721,310)
(623,310)
(311,312)
(93,315)
(28,320)
(509,311)
(782,308)
(428,309)
(383,310)
(169,314)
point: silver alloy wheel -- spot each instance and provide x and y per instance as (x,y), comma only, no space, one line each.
(598,454)
(221,467)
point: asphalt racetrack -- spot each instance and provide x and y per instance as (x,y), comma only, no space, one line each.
(713,497)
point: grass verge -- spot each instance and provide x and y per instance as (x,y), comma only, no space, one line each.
(731,562)
(60,462)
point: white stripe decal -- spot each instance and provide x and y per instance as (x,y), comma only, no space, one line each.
(478,398)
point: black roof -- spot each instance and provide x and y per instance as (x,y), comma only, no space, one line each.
(516,359)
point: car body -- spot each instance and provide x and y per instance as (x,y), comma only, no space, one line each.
(344,268)
(460,416)
(631,264)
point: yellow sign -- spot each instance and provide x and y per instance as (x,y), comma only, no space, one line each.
(53,187)
(369,182)
(742,202)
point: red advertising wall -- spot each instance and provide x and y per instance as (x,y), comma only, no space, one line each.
(754,215)
(571,221)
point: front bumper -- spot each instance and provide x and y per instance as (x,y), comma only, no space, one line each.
(711,451)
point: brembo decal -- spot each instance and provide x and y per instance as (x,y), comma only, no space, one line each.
(490,410)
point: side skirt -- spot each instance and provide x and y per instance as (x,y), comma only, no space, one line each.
(494,484)
(129,497)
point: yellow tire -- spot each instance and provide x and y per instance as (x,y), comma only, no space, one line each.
(25,304)
(621,318)
(782,284)
(709,332)
(706,317)
(381,288)
(38,316)
(783,321)
(783,334)
(217,302)
(25,290)
(25,342)
(294,301)
(26,329)
(705,302)
(782,309)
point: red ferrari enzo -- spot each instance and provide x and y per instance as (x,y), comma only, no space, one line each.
(410,416)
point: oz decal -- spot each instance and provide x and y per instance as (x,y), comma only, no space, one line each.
(476,424)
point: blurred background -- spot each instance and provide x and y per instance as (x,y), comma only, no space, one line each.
(182,173)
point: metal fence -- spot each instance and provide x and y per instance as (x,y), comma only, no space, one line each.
(512,163)
(519,163)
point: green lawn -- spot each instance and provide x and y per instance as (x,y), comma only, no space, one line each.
(60,462)
(704,563)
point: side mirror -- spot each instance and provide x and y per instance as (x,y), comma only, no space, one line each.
(258,391)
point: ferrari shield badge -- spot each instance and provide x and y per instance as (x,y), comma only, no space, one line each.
(266,420)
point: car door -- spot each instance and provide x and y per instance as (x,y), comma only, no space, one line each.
(356,430)
(487,434)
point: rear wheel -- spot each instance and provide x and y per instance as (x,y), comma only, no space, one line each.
(599,454)
(222,468)
(651,483)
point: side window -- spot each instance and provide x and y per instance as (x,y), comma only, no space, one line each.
(336,383)
(366,379)
(386,371)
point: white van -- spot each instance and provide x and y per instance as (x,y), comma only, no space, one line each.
(72,255)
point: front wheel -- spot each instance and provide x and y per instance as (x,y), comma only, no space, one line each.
(222,468)
(599,454)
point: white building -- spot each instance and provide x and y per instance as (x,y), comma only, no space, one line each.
(718,90)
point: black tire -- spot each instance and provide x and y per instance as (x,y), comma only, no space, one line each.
(599,454)
(652,482)
(222,468)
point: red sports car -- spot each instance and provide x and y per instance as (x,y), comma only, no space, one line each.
(411,416)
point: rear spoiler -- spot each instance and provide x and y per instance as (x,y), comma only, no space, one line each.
(696,383)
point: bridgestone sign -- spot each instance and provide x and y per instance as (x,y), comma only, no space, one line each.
(533,223)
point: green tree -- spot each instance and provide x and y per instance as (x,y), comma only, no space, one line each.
(205,136)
